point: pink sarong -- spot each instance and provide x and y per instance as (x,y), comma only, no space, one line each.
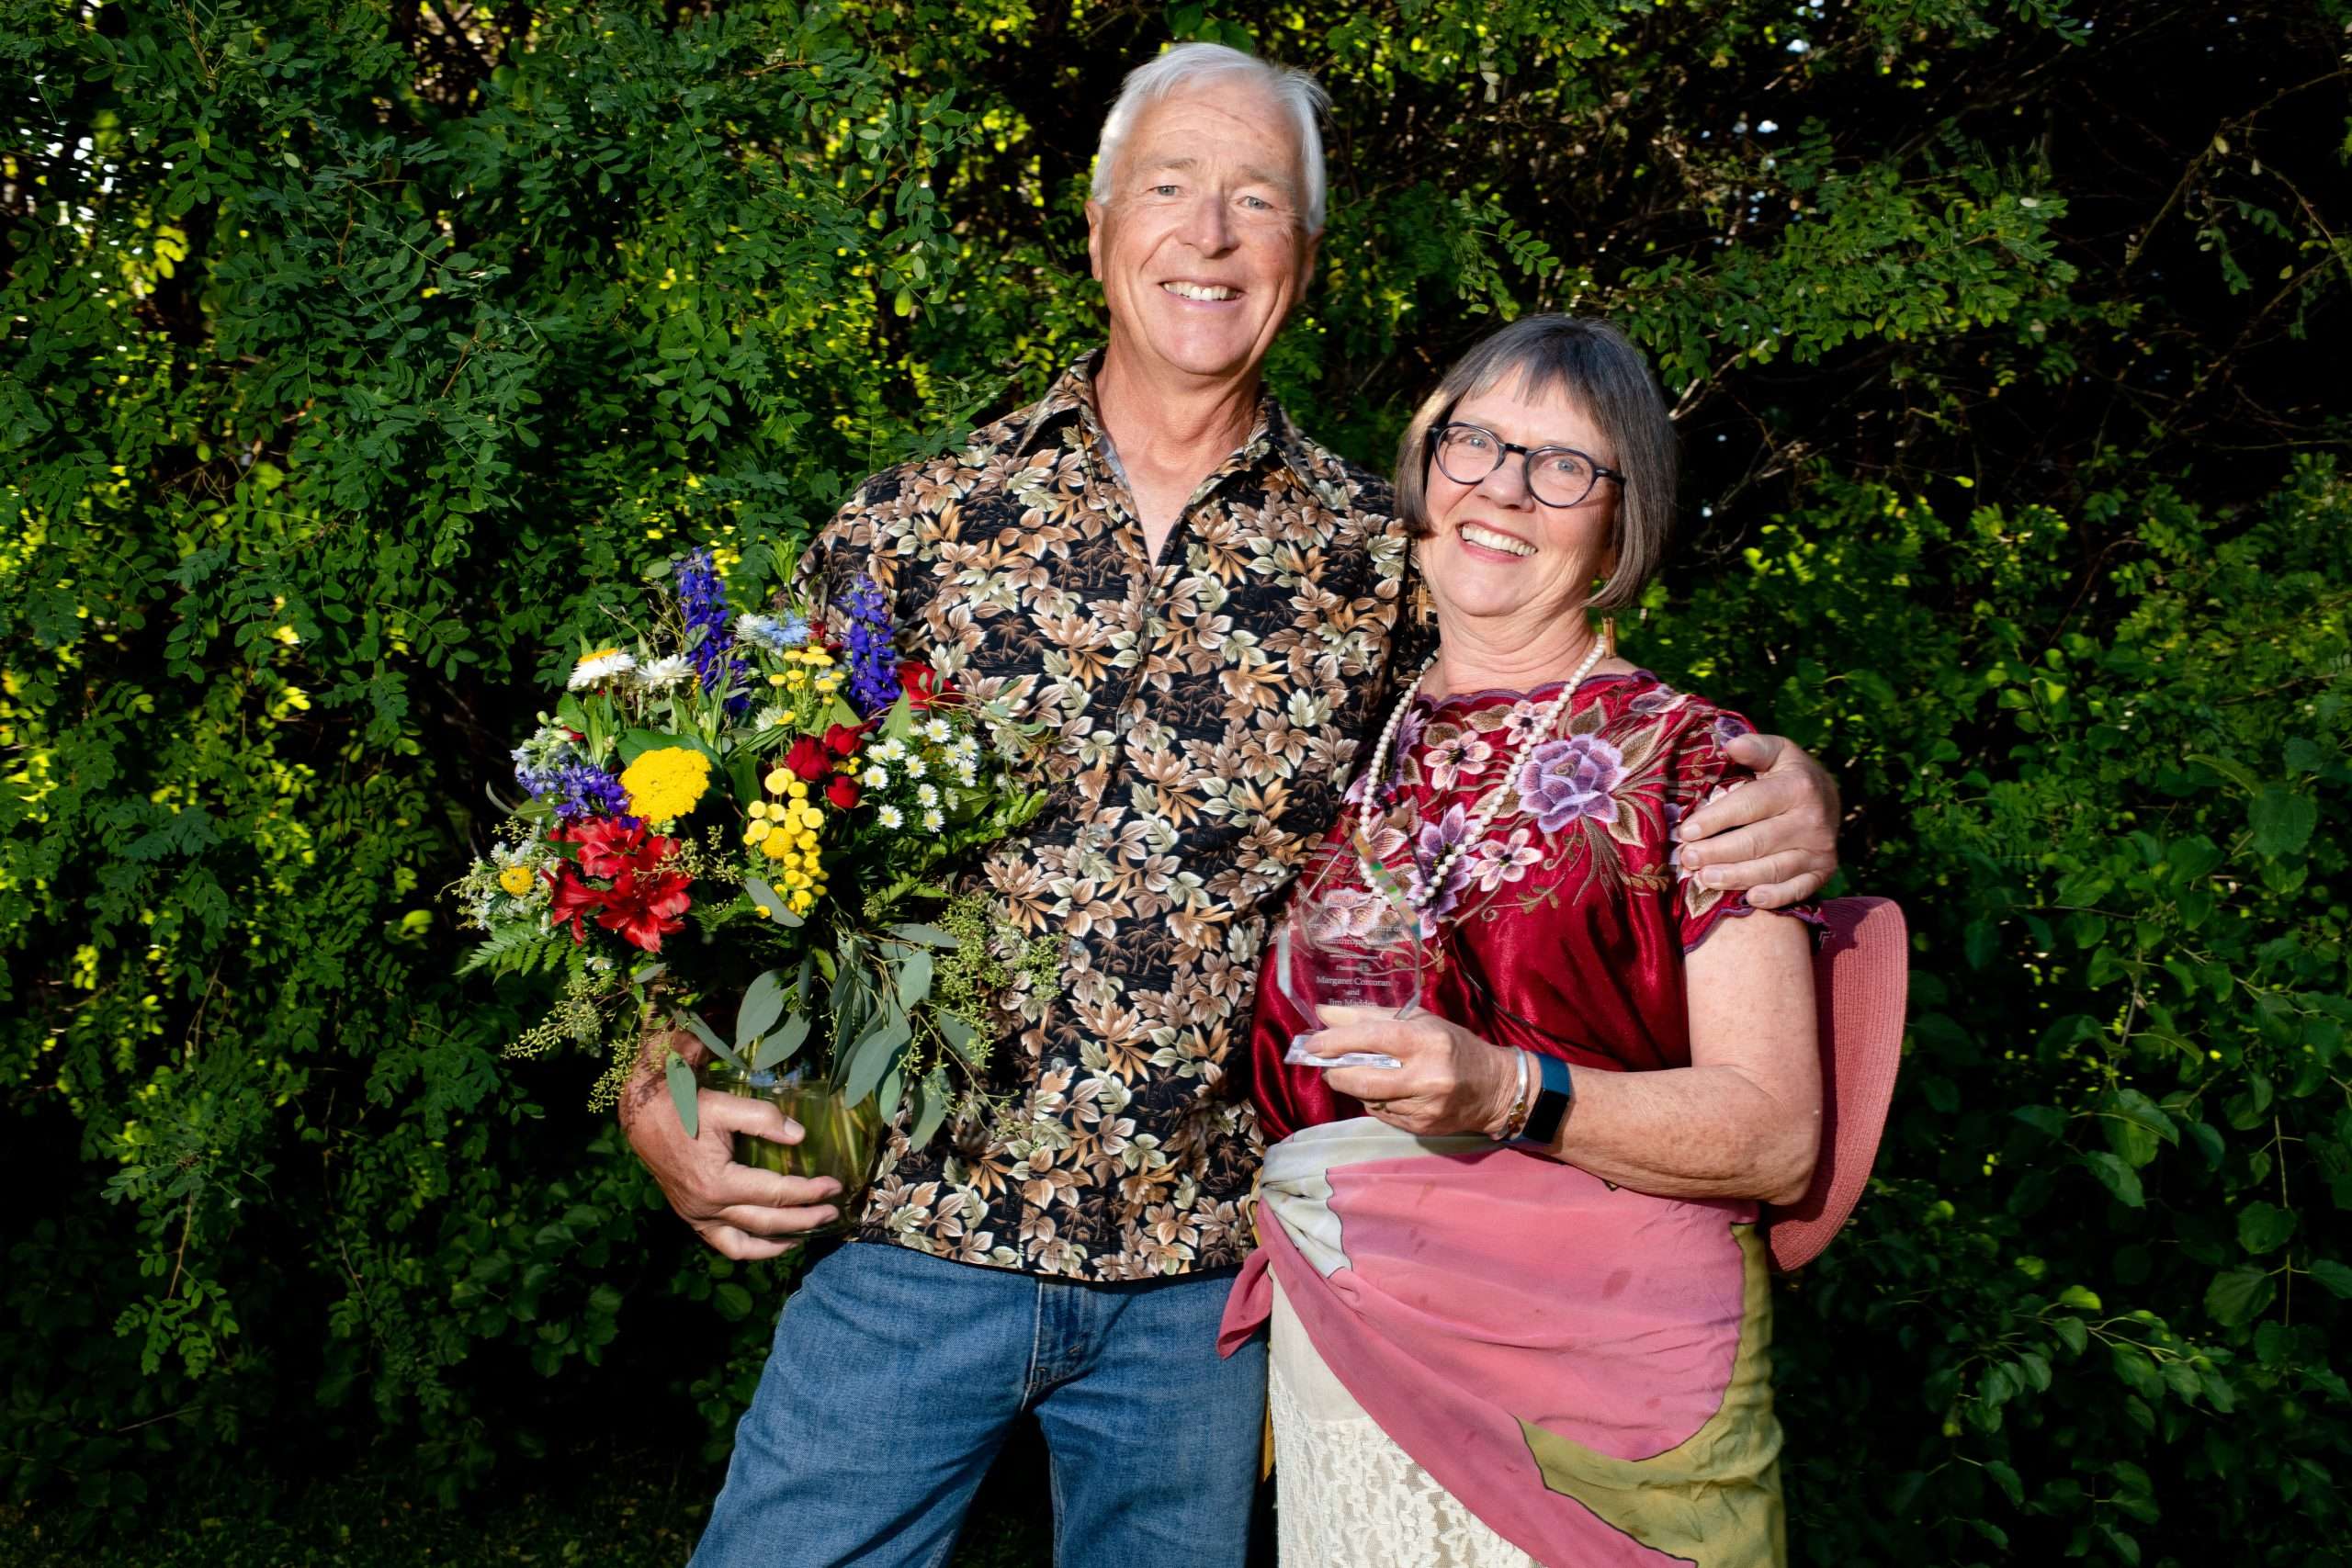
(1583,1366)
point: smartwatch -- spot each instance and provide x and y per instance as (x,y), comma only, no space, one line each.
(1557,1091)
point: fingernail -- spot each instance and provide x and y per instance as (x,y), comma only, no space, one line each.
(1685,833)
(1712,877)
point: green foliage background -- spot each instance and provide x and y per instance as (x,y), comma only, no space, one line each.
(348,352)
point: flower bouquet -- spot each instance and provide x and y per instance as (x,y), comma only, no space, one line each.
(768,807)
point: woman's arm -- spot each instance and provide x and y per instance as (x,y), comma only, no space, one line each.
(1743,1120)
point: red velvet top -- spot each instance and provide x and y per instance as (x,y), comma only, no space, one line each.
(1564,930)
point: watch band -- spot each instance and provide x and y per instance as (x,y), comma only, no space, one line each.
(1557,1091)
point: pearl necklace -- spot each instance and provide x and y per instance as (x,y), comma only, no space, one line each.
(1376,777)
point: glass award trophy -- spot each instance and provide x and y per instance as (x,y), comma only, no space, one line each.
(1349,938)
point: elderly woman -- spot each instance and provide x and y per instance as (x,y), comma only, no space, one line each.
(1519,1304)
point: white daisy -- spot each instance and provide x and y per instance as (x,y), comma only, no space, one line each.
(663,673)
(888,816)
(876,778)
(968,772)
(937,730)
(891,751)
(927,795)
(914,767)
(933,821)
(596,668)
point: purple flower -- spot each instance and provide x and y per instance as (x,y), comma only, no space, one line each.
(1430,847)
(577,790)
(872,666)
(1564,780)
(710,638)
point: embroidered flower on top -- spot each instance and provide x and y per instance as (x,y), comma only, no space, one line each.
(1564,781)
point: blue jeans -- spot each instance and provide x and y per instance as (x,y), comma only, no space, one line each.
(895,1377)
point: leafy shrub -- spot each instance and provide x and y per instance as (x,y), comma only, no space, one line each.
(346,348)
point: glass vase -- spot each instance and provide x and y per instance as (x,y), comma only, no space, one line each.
(839,1140)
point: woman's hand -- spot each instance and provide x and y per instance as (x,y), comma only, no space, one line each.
(1450,1080)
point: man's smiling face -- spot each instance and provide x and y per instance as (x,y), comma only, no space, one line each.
(1202,249)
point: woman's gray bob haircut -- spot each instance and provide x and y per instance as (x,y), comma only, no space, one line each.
(1299,95)
(1599,367)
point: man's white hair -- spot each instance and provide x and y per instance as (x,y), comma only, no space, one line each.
(1294,92)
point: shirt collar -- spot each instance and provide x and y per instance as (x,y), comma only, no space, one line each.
(1072,396)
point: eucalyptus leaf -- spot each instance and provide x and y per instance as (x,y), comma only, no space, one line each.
(873,1056)
(778,1048)
(932,1096)
(932,935)
(763,1004)
(691,1023)
(914,980)
(683,1094)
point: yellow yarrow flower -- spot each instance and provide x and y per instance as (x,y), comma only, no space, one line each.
(515,879)
(776,846)
(757,833)
(666,784)
(797,790)
(779,781)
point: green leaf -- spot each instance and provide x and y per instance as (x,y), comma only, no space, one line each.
(2007,1479)
(873,1056)
(778,1048)
(733,1302)
(2071,1333)
(932,1096)
(2118,1178)
(914,979)
(2239,1295)
(2264,1227)
(2333,1276)
(2081,1297)
(682,1090)
(763,1004)
(2047,1120)
(2231,771)
(2137,1370)
(691,1023)
(2282,820)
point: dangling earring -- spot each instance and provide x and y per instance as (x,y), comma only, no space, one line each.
(1424,612)
(1609,636)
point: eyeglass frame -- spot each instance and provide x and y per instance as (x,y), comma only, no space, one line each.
(1526,468)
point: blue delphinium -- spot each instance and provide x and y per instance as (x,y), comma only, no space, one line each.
(710,638)
(777,634)
(872,666)
(576,789)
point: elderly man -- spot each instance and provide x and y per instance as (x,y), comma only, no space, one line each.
(1199,604)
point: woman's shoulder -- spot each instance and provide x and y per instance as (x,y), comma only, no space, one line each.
(1641,698)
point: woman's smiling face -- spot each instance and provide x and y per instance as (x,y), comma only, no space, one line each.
(1494,552)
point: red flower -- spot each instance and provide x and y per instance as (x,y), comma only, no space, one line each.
(920,683)
(609,846)
(646,907)
(808,759)
(842,740)
(843,791)
(573,899)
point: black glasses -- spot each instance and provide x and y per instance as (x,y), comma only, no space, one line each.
(1556,476)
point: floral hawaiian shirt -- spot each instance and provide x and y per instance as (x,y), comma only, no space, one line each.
(1202,715)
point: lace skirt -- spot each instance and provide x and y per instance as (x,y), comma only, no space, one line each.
(1345,1495)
